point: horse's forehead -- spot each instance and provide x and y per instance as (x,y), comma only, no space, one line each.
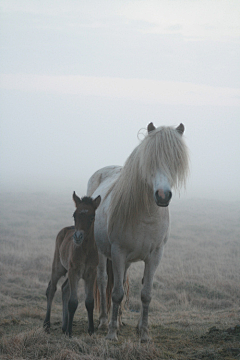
(85,209)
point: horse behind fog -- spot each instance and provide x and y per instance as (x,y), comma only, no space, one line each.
(132,222)
(76,253)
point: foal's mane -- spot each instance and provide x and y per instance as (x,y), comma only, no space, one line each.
(87,200)
(162,148)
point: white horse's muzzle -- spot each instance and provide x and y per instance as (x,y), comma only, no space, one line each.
(162,198)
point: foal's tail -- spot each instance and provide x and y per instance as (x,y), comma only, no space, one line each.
(109,289)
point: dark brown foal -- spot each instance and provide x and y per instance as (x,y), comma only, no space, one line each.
(76,253)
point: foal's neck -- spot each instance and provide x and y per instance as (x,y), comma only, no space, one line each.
(90,236)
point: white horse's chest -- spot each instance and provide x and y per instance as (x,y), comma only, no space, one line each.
(145,240)
(137,245)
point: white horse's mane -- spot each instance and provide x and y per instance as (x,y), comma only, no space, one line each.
(163,148)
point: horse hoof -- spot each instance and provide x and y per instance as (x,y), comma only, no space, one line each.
(111,336)
(144,337)
(90,332)
(46,327)
(103,324)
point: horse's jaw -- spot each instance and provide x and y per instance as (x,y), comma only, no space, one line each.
(162,205)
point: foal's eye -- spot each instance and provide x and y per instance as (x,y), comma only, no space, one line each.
(92,217)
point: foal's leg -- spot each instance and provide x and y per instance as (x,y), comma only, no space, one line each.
(118,262)
(89,298)
(150,267)
(57,272)
(65,298)
(102,285)
(73,300)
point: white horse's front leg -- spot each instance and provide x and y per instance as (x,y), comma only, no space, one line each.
(149,271)
(118,292)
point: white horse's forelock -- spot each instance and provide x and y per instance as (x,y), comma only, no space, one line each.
(162,149)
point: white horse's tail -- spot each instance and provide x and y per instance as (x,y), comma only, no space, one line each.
(108,290)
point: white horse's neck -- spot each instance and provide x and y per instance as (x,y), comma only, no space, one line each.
(134,199)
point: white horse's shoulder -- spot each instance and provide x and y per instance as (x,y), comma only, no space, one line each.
(100,175)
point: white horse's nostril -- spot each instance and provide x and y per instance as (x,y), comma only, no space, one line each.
(163,198)
(161,194)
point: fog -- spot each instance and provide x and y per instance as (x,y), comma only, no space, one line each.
(79,79)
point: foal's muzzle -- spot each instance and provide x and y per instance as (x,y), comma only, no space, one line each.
(162,198)
(78,237)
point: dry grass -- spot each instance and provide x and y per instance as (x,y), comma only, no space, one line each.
(196,287)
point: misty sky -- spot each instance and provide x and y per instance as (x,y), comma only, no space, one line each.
(79,79)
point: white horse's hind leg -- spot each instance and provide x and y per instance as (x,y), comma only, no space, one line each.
(149,271)
(126,296)
(102,285)
(118,292)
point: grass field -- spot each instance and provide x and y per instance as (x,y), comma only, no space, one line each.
(195,308)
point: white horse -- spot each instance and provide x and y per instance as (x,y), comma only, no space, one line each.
(132,221)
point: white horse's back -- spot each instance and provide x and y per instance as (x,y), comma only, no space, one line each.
(100,176)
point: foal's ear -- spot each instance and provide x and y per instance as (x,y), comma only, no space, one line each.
(150,127)
(76,199)
(97,201)
(180,129)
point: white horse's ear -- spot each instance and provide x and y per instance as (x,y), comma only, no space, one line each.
(150,127)
(76,199)
(180,129)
